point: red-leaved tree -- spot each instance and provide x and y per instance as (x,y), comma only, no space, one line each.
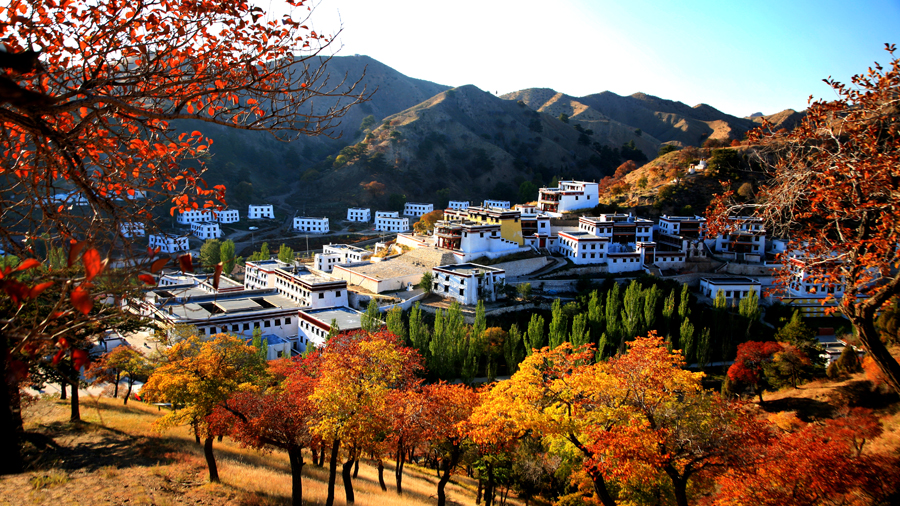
(750,364)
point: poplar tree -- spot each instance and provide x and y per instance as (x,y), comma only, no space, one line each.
(558,325)
(535,336)
(395,325)
(668,312)
(613,315)
(418,331)
(581,334)
(632,309)
(513,349)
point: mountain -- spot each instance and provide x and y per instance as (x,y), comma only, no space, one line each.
(469,145)
(661,120)
(786,119)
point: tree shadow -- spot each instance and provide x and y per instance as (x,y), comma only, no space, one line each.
(863,394)
(806,409)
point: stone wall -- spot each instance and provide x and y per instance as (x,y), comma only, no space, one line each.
(518,268)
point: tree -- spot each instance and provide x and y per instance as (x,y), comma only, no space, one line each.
(564,117)
(121,359)
(358,370)
(534,336)
(428,220)
(276,417)
(558,325)
(198,377)
(371,319)
(829,189)
(446,408)
(425,282)
(210,253)
(753,357)
(524,291)
(227,256)
(286,254)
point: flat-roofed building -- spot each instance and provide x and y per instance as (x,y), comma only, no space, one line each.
(460,205)
(417,209)
(468,283)
(468,240)
(168,243)
(359,214)
(189,217)
(390,222)
(315,324)
(228,216)
(339,254)
(495,204)
(263,211)
(746,241)
(679,238)
(206,230)
(568,196)
(234,313)
(297,283)
(619,228)
(312,225)
(734,288)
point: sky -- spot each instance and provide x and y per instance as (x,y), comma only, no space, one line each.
(739,57)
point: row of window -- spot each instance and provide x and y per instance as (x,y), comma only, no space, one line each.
(238,327)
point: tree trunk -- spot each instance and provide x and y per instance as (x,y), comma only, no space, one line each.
(479,492)
(398,471)
(63,395)
(442,483)
(679,485)
(332,471)
(600,489)
(116,390)
(489,487)
(75,415)
(356,468)
(381,475)
(346,471)
(10,416)
(211,460)
(870,338)
(295,455)
(127,394)
(315,456)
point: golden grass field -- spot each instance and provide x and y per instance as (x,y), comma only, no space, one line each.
(116,457)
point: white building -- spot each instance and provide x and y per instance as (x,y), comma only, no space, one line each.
(190,217)
(495,204)
(359,214)
(747,240)
(469,240)
(314,225)
(679,235)
(390,222)
(568,196)
(265,211)
(168,243)
(734,289)
(132,229)
(339,254)
(205,231)
(619,228)
(467,283)
(228,216)
(460,205)
(295,283)
(416,209)
(237,313)
(315,324)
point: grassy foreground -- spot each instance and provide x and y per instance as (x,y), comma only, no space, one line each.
(115,457)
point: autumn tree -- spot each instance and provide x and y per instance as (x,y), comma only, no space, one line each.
(749,367)
(90,96)
(427,221)
(277,416)
(830,189)
(447,407)
(123,359)
(358,370)
(198,377)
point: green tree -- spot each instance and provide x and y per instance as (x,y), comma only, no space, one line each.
(686,335)
(513,349)
(425,283)
(595,314)
(370,321)
(564,117)
(581,333)
(418,331)
(210,253)
(614,334)
(227,257)
(534,337)
(748,307)
(260,343)
(668,312)
(558,325)
(286,254)
(395,323)
(333,330)
(367,122)
(528,192)
(632,311)
(524,291)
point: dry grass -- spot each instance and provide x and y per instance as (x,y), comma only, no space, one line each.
(116,457)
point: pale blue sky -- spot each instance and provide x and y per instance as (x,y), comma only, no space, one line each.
(740,57)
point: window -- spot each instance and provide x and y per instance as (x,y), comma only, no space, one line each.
(321,295)
(462,292)
(337,293)
(287,321)
(256,325)
(277,322)
(246,326)
(267,324)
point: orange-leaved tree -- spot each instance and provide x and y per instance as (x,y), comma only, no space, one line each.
(89,96)
(198,377)
(357,372)
(831,190)
(277,416)
(121,359)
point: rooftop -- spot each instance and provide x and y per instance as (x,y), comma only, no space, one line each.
(346,318)
(468,269)
(202,308)
(731,281)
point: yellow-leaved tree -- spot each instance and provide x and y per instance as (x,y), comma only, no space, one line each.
(200,376)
